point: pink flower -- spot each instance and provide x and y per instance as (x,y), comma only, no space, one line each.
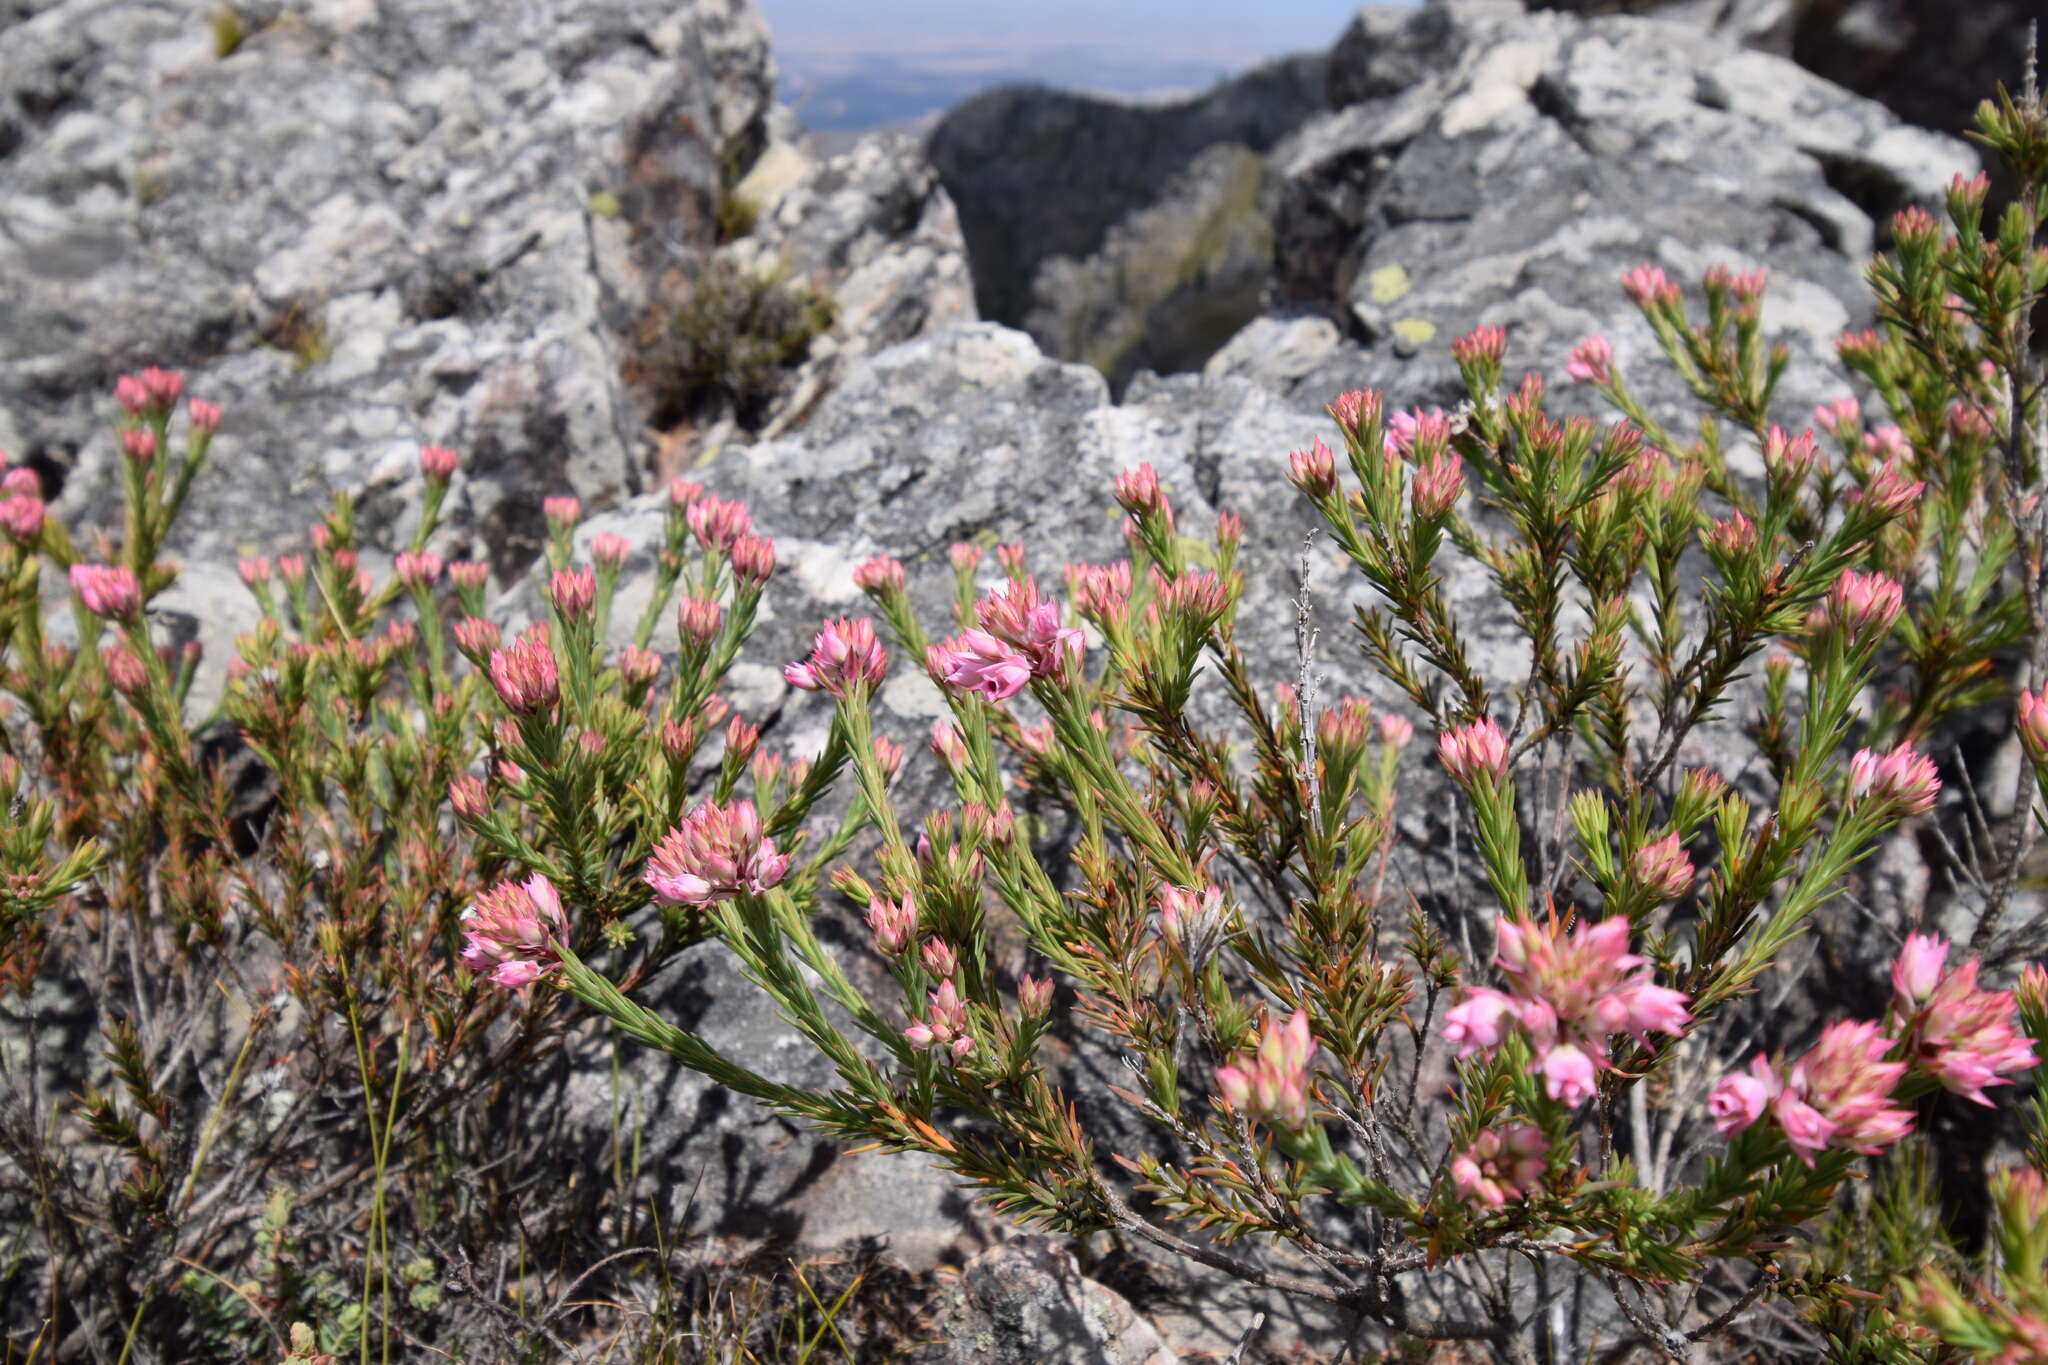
(561,513)
(719,524)
(1313,471)
(1731,537)
(109,591)
(1435,488)
(1192,920)
(1862,606)
(21,517)
(715,853)
(1273,1083)
(753,559)
(21,480)
(1487,342)
(153,390)
(1647,286)
(1889,492)
(1101,592)
(1901,778)
(511,930)
(1842,418)
(1470,752)
(1738,1099)
(609,551)
(1567,993)
(1023,620)
(1918,970)
(976,661)
(1355,409)
(1591,362)
(438,462)
(1847,1081)
(1964,1037)
(1501,1166)
(1395,731)
(418,571)
(947,744)
(638,667)
(476,638)
(697,620)
(845,658)
(468,797)
(682,493)
(1479,1021)
(894,923)
(525,676)
(1663,867)
(964,557)
(1137,491)
(573,592)
(469,574)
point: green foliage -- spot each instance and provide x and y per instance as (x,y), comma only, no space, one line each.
(733,340)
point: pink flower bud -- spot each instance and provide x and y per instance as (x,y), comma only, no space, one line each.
(107,591)
(525,676)
(1862,606)
(1355,409)
(697,621)
(947,745)
(1842,419)
(1137,491)
(437,462)
(204,416)
(715,853)
(1889,492)
(1663,867)
(939,958)
(753,559)
(1273,1084)
(638,668)
(573,591)
(1646,286)
(888,755)
(2033,722)
(878,575)
(127,673)
(1591,362)
(1395,732)
(468,798)
(1732,537)
(718,524)
(741,737)
(419,571)
(1436,486)
(1313,471)
(476,638)
(469,574)
(1034,997)
(562,513)
(21,481)
(139,444)
(1472,752)
(1917,970)
(511,931)
(609,551)
(682,493)
(965,558)
(1488,342)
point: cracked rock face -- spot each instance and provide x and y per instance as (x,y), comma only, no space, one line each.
(366,229)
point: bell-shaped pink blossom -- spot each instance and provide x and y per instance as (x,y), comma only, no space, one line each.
(1313,471)
(1591,361)
(1030,626)
(893,923)
(1501,1165)
(1739,1098)
(753,559)
(438,462)
(1862,606)
(845,658)
(510,931)
(944,1026)
(976,661)
(715,853)
(21,517)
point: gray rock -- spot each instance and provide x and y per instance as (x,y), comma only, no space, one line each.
(1039,173)
(1027,1303)
(1930,63)
(361,232)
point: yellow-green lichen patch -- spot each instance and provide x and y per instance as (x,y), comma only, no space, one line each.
(1388,283)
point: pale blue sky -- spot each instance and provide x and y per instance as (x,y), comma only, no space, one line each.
(1230,31)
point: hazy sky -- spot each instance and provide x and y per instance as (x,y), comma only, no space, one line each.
(1233,32)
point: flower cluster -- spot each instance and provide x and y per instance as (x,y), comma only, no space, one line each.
(1020,638)
(1838,1095)
(510,930)
(1501,1165)
(845,657)
(715,853)
(1568,992)
(1272,1083)
(1964,1037)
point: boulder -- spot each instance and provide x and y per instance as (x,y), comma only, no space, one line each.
(1040,173)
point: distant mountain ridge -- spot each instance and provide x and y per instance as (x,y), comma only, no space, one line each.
(850,91)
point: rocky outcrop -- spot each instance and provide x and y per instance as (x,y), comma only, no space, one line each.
(1927,61)
(1027,1303)
(1039,173)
